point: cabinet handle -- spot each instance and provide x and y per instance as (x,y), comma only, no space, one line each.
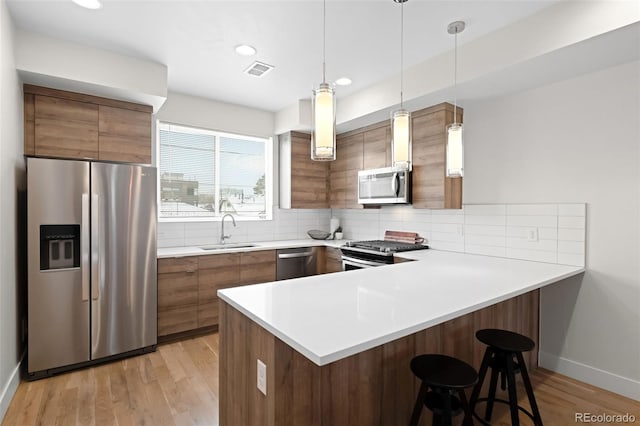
(190,271)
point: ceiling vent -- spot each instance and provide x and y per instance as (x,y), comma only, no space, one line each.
(258,69)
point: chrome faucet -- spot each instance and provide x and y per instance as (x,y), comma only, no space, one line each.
(222,236)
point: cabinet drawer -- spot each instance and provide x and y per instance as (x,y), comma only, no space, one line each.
(208,313)
(179,264)
(177,320)
(254,257)
(177,289)
(218,260)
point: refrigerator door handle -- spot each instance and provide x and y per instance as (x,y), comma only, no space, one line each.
(95,247)
(84,247)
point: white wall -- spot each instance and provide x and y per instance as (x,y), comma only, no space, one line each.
(12,177)
(574,141)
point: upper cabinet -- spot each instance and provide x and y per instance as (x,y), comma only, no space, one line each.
(431,189)
(343,172)
(303,182)
(71,125)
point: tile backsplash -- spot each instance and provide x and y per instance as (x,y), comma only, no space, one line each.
(553,233)
(287,224)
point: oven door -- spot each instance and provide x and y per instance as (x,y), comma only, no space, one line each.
(358,259)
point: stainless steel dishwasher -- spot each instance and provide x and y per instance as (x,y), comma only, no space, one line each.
(296,262)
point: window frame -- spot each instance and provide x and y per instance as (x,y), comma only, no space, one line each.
(268,172)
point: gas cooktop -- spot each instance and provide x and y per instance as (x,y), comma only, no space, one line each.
(380,246)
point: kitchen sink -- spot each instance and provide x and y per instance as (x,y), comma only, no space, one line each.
(227,246)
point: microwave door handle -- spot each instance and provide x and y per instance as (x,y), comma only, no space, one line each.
(395,184)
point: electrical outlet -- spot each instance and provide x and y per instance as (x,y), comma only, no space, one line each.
(262,377)
(532,234)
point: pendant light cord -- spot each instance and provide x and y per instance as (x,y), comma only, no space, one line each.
(401,53)
(455,78)
(324,40)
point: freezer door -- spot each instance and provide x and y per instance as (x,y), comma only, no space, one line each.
(123,249)
(58,263)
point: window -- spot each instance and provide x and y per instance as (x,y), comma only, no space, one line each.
(206,174)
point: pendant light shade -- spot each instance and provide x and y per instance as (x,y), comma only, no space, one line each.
(323,137)
(401,139)
(455,144)
(401,119)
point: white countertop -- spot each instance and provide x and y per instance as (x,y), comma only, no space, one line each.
(333,316)
(262,245)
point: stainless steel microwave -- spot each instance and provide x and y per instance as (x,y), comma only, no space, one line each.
(384,186)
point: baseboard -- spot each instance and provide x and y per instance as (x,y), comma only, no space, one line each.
(588,374)
(9,390)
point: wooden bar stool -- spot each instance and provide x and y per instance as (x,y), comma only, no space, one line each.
(504,356)
(446,377)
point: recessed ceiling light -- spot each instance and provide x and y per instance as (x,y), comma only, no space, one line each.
(245,50)
(343,81)
(89,4)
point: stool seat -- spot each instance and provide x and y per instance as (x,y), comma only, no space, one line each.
(504,340)
(442,371)
(443,381)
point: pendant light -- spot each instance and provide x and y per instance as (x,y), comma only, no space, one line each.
(455,146)
(323,138)
(401,119)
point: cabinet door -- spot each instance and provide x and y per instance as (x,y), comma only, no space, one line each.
(177,295)
(257,267)
(333,260)
(65,128)
(344,172)
(431,188)
(309,179)
(215,272)
(377,148)
(125,135)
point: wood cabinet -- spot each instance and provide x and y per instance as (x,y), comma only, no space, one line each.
(177,295)
(431,188)
(188,286)
(257,267)
(71,125)
(332,260)
(343,172)
(377,148)
(215,272)
(304,183)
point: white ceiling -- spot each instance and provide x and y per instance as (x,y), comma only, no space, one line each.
(195,39)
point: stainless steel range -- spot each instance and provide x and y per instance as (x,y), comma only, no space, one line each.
(367,254)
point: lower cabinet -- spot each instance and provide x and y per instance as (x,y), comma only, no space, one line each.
(188,286)
(333,260)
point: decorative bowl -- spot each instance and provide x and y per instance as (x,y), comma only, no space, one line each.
(316,234)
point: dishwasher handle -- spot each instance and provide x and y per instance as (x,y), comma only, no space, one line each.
(294,255)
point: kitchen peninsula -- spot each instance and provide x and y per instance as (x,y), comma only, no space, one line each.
(337,347)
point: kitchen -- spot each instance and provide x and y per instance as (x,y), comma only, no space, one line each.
(554,123)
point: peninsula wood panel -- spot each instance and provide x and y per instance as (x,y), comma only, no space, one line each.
(29,124)
(374,387)
(215,272)
(65,128)
(124,135)
(309,179)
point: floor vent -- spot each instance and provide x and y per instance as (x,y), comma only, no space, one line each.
(258,69)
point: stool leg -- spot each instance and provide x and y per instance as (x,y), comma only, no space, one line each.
(417,409)
(481,375)
(467,420)
(527,385)
(446,408)
(511,385)
(492,393)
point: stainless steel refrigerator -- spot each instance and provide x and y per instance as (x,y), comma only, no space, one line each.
(92,283)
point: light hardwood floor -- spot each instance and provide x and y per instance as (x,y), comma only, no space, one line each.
(178,385)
